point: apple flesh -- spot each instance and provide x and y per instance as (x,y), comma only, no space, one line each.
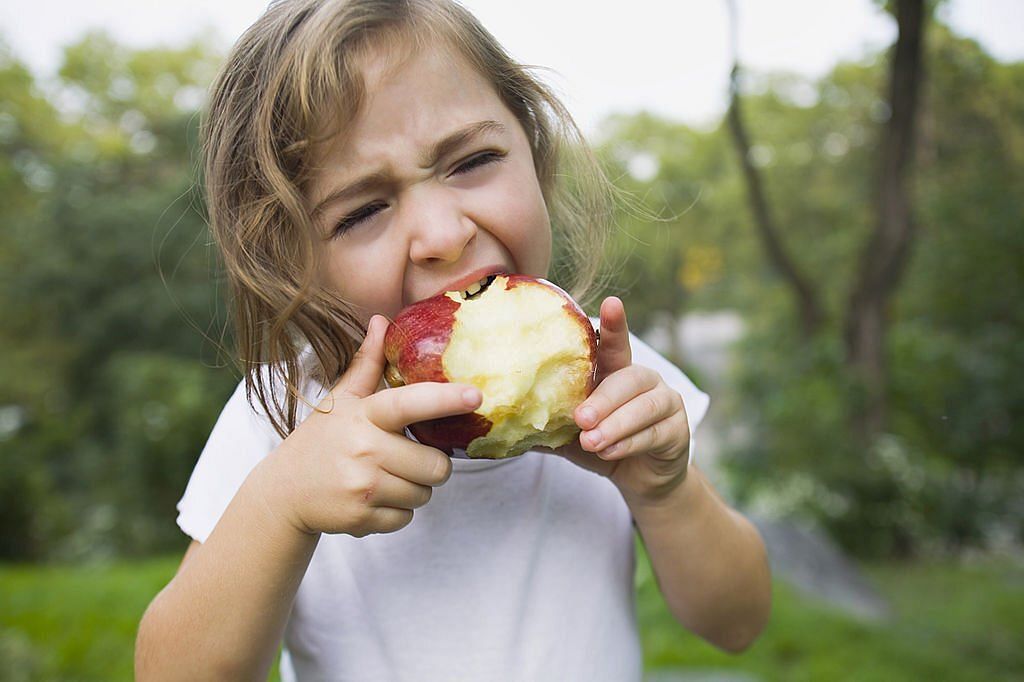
(523,341)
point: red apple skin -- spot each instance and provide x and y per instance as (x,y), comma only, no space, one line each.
(415,343)
(449,433)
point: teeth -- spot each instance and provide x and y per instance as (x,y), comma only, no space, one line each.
(476,287)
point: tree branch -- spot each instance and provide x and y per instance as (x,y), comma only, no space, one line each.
(886,253)
(811,316)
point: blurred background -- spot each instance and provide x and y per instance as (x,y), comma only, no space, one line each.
(839,264)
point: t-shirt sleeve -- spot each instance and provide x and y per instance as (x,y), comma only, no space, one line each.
(241,437)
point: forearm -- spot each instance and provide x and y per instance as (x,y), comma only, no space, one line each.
(224,613)
(710,563)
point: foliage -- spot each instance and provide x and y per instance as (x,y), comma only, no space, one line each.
(107,300)
(114,314)
(944,474)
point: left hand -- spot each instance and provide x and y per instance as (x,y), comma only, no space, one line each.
(642,436)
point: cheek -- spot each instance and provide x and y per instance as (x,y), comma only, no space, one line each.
(346,275)
(515,213)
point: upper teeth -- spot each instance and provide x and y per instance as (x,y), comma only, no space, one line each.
(476,287)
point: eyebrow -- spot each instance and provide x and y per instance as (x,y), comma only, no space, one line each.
(440,149)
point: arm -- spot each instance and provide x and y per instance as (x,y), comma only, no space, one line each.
(709,561)
(223,614)
(347,468)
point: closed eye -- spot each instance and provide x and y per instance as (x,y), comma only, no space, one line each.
(479,160)
(370,210)
(353,219)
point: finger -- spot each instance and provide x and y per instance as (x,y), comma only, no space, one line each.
(613,352)
(395,408)
(616,390)
(388,490)
(415,462)
(364,372)
(636,415)
(386,520)
(585,460)
(664,440)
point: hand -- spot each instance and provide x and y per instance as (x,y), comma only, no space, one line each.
(639,423)
(348,468)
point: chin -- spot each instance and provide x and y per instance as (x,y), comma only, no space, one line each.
(523,341)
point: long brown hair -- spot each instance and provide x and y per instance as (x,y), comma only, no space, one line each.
(294,69)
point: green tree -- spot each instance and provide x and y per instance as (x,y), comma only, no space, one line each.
(942,474)
(114,282)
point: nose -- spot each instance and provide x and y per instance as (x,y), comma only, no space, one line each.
(439,229)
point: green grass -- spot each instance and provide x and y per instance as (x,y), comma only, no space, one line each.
(951,621)
(74,623)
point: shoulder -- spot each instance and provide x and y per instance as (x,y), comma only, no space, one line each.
(275,379)
(241,437)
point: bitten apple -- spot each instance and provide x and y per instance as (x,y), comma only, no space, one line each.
(523,341)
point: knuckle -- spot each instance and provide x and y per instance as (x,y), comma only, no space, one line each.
(655,434)
(358,438)
(369,492)
(637,380)
(661,438)
(650,404)
(361,486)
(651,440)
(360,448)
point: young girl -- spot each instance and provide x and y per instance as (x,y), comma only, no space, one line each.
(362,155)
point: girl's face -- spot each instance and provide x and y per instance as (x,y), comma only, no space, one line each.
(434,181)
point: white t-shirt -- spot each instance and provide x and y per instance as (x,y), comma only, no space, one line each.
(517,569)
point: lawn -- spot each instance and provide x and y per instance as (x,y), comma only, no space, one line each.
(951,621)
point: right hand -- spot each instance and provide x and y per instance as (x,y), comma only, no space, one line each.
(348,468)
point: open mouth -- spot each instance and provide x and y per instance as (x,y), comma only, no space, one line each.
(478,287)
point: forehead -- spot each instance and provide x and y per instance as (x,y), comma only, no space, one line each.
(410,97)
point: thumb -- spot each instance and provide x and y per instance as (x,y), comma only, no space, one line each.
(364,372)
(613,351)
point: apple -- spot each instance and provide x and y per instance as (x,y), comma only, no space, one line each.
(523,341)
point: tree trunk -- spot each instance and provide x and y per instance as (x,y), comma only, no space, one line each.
(884,258)
(810,311)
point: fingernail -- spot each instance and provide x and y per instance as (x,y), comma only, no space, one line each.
(472,397)
(593,438)
(608,451)
(588,415)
